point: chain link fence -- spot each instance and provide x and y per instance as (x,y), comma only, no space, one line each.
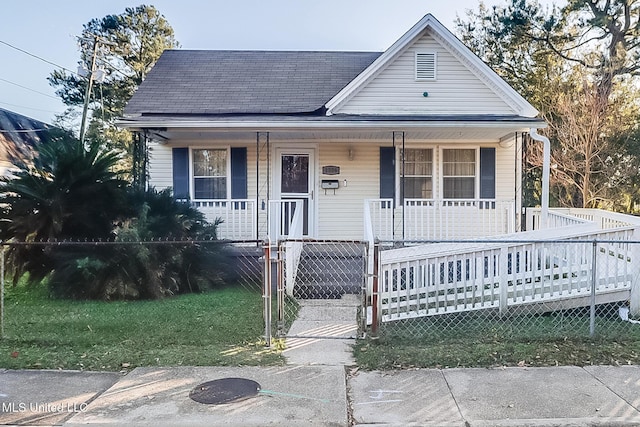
(507,290)
(427,290)
(167,266)
(321,282)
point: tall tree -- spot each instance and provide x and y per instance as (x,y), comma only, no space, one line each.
(577,66)
(123,48)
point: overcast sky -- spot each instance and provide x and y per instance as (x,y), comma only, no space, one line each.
(47,29)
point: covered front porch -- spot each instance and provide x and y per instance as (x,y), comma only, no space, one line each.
(437,178)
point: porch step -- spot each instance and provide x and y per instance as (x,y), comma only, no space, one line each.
(328,272)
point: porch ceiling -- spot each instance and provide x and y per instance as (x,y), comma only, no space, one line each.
(333,128)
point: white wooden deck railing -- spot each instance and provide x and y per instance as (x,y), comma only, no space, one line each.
(556,218)
(604,219)
(238,217)
(453,277)
(430,219)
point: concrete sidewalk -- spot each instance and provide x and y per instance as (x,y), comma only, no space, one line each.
(329,395)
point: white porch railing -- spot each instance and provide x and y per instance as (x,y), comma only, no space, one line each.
(238,217)
(380,215)
(285,220)
(430,219)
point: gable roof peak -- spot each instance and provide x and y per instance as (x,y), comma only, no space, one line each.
(451,43)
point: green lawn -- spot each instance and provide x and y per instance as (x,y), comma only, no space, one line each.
(477,341)
(225,327)
(222,327)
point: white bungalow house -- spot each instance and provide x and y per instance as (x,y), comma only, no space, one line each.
(423,126)
(422,141)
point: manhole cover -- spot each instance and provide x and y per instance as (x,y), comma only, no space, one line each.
(225,390)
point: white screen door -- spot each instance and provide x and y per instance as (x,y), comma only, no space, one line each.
(296,175)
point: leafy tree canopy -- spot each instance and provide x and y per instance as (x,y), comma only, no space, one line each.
(577,65)
(128,45)
(125,48)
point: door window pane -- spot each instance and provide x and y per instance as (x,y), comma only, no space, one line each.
(210,174)
(459,173)
(295,173)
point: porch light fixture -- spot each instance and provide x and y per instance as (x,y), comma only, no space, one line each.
(506,142)
(351,154)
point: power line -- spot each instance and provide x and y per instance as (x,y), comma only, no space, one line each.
(29,108)
(37,57)
(27,88)
(112,67)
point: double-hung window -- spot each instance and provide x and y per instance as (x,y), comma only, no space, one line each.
(418,173)
(209,173)
(459,173)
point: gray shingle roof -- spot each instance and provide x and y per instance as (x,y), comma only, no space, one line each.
(19,135)
(245,82)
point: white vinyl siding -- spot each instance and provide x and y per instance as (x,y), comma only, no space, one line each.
(395,90)
(340,215)
(506,172)
(160,166)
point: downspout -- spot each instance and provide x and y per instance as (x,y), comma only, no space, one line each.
(402,159)
(546,167)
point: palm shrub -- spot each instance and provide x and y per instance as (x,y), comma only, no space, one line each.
(70,193)
(66,193)
(180,254)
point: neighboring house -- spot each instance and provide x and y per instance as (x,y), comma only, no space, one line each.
(422,141)
(425,125)
(18,137)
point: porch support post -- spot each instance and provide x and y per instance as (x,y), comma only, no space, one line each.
(546,167)
(400,134)
(262,138)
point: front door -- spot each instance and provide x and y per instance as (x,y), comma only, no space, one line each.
(296,175)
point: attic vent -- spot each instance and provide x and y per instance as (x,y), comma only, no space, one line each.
(425,66)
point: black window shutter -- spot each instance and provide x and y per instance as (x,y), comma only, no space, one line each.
(487,173)
(387,172)
(239,173)
(180,173)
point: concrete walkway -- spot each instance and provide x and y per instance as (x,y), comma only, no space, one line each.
(323,332)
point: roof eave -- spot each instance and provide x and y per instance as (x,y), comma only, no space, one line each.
(356,124)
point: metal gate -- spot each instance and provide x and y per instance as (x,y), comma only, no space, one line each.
(321,288)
